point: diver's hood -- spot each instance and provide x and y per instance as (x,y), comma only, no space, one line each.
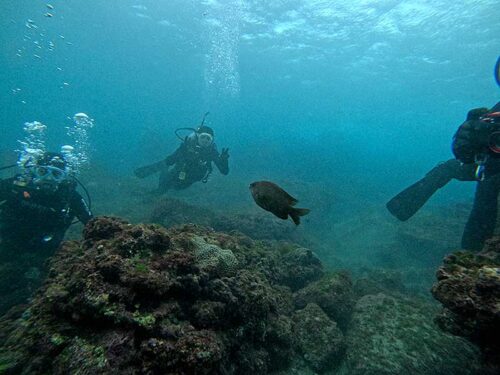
(205,129)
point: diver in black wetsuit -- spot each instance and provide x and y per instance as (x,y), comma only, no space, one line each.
(406,203)
(190,163)
(36,209)
(477,141)
(476,146)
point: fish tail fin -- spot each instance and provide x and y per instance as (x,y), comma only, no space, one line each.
(296,213)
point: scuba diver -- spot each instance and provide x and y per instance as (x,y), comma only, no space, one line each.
(477,142)
(191,162)
(405,204)
(39,205)
(476,146)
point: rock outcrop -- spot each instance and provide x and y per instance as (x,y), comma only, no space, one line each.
(468,286)
(140,299)
(143,299)
(392,336)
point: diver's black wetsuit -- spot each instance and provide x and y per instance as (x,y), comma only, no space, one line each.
(471,142)
(32,225)
(191,163)
(33,219)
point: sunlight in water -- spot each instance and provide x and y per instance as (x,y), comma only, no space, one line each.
(222,77)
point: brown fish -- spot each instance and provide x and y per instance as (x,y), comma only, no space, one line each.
(274,199)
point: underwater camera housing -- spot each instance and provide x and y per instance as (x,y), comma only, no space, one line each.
(492,121)
(494,142)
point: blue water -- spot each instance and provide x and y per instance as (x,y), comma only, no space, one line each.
(343,103)
(358,98)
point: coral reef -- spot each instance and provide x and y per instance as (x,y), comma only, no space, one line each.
(468,286)
(143,299)
(214,260)
(140,299)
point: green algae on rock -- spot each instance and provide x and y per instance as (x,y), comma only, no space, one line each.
(139,299)
(468,286)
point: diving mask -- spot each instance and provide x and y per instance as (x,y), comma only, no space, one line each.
(47,174)
(205,139)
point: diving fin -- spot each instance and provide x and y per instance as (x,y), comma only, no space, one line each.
(149,170)
(404,205)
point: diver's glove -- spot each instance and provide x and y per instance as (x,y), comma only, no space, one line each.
(471,139)
(224,154)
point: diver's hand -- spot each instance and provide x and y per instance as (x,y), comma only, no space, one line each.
(225,153)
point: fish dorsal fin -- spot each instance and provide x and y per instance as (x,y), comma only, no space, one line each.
(291,200)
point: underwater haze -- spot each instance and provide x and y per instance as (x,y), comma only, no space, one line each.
(343,103)
(371,88)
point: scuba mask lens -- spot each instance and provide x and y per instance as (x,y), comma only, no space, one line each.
(205,139)
(48,174)
(57,174)
(41,171)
